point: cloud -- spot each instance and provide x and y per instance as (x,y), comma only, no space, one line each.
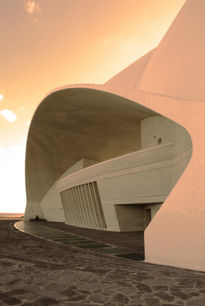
(1,97)
(8,115)
(33,8)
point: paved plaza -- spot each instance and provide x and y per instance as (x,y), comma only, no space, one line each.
(35,271)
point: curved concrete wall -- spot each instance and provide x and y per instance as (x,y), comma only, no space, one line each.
(51,204)
(143,177)
(170,81)
(160,130)
(177,67)
(72,124)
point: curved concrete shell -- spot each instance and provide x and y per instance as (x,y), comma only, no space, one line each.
(107,156)
(76,123)
(177,67)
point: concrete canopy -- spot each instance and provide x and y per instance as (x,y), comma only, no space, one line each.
(170,81)
(78,123)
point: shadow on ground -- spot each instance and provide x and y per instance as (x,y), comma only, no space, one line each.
(36,272)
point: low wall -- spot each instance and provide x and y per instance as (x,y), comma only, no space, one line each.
(142,177)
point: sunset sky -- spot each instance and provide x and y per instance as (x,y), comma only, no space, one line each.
(50,43)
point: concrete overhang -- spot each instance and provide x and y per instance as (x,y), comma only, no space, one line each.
(171,83)
(75,123)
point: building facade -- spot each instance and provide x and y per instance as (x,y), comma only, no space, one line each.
(108,156)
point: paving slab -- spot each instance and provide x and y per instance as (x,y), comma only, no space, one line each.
(37,272)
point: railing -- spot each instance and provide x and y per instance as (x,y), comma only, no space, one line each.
(136,161)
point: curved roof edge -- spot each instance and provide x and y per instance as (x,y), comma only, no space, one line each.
(129,77)
(75,123)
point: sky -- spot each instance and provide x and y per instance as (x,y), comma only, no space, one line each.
(46,44)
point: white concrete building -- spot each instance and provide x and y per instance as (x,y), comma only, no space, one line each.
(107,156)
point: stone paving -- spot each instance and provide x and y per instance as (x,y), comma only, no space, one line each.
(37,272)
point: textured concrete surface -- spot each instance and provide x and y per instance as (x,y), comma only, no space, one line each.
(72,124)
(38,272)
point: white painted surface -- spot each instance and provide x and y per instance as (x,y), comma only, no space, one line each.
(82,206)
(175,76)
(141,177)
(51,203)
(177,66)
(129,77)
(159,127)
(33,209)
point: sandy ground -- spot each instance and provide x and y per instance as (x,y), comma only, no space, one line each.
(37,272)
(10,218)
